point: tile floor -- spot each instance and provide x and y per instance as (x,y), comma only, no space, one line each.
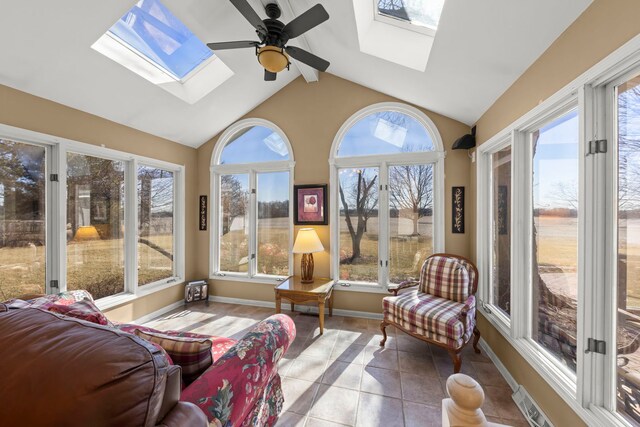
(344,377)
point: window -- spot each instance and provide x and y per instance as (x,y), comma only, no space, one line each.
(555,237)
(501,229)
(151,29)
(251,183)
(424,13)
(156,195)
(568,172)
(386,185)
(150,41)
(76,216)
(22,219)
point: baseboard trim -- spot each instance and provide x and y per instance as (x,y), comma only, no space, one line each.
(501,368)
(157,313)
(302,308)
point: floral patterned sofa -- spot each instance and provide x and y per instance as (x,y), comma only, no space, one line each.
(240,388)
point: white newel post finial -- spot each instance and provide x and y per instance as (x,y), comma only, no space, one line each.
(462,408)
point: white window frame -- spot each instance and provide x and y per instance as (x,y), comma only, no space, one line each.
(592,91)
(252,170)
(383,162)
(56,211)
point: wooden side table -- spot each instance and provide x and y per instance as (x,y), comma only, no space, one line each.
(293,290)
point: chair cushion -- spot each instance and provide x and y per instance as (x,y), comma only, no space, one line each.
(85,310)
(445,277)
(193,355)
(433,317)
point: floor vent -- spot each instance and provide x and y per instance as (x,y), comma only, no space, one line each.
(530,409)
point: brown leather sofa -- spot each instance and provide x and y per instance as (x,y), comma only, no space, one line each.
(60,371)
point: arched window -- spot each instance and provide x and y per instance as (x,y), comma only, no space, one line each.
(387,178)
(251,185)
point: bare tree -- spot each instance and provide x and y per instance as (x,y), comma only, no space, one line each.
(411,192)
(234,200)
(360,198)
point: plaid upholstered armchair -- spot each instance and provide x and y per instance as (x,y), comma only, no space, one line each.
(441,310)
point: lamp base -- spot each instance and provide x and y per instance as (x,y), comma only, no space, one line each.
(306,268)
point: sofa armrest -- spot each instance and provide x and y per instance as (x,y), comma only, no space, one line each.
(229,389)
(185,414)
(404,285)
(468,312)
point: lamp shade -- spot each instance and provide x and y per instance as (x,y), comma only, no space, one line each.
(307,242)
(272,58)
(86,232)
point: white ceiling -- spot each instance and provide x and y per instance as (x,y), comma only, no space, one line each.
(480,49)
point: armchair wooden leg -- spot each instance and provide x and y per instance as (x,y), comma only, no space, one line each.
(383,326)
(457,361)
(476,338)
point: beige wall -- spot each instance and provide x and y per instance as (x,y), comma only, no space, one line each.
(311,115)
(26,111)
(602,28)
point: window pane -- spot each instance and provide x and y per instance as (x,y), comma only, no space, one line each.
(234,224)
(95,225)
(628,325)
(273,223)
(155,224)
(386,132)
(254,144)
(555,237)
(22,219)
(359,224)
(501,229)
(425,13)
(410,220)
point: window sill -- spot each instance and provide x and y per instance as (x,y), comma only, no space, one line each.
(159,285)
(268,280)
(360,287)
(113,301)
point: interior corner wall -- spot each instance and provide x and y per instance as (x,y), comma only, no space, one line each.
(310,114)
(602,28)
(22,110)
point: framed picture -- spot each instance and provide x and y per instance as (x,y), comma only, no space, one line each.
(457,210)
(310,204)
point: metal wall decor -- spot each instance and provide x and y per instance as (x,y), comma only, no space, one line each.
(457,210)
(202,208)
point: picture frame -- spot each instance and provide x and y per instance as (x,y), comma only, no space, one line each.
(310,204)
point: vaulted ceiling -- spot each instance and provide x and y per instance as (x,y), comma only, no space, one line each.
(480,49)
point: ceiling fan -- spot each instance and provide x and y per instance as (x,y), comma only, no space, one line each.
(271,50)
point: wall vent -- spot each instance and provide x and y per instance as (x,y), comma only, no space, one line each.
(530,409)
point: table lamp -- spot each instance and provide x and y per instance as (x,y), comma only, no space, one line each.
(307,242)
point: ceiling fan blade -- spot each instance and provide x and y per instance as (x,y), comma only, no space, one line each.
(269,76)
(250,15)
(303,23)
(232,45)
(307,58)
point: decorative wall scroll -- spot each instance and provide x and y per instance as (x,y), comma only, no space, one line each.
(203,213)
(457,210)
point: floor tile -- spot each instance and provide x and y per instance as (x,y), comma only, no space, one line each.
(342,374)
(347,352)
(316,422)
(298,395)
(420,390)
(307,368)
(381,381)
(418,415)
(410,344)
(418,363)
(291,419)
(335,404)
(379,411)
(381,358)
(488,374)
(502,402)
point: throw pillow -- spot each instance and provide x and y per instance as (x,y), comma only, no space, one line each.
(193,355)
(85,310)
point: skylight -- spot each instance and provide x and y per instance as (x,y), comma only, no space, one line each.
(151,41)
(424,13)
(153,31)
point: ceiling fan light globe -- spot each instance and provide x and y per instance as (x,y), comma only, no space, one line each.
(272,59)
